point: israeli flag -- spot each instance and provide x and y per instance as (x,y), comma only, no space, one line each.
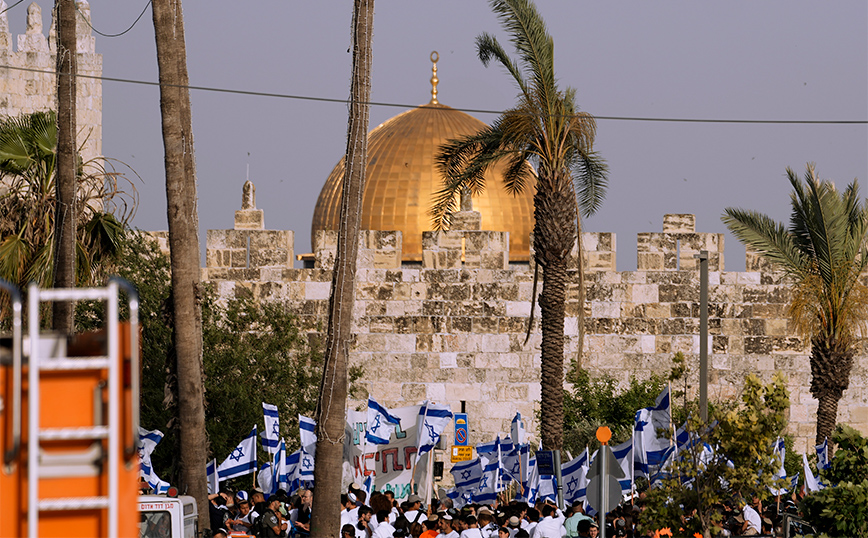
(575,478)
(381,423)
(467,474)
(518,434)
(307,434)
(147,442)
(271,434)
(368,488)
(515,463)
(811,482)
(430,423)
(531,486)
(778,455)
(624,455)
(241,461)
(823,455)
(652,448)
(459,499)
(211,473)
(488,487)
(273,476)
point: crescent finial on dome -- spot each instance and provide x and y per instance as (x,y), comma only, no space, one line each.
(434,79)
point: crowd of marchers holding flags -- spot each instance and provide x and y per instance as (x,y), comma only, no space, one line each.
(499,493)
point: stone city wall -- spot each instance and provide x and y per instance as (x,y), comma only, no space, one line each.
(452,329)
(27,85)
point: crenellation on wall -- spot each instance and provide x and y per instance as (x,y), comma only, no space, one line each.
(454,329)
(29,85)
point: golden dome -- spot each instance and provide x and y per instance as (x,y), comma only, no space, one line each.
(402,178)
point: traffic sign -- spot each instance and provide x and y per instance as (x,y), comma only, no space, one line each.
(461,429)
(462,453)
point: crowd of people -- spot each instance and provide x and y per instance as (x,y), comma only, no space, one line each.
(382,516)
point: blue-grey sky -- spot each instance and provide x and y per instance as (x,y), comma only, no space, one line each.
(772,60)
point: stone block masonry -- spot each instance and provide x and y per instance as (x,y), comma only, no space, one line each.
(452,329)
(28,84)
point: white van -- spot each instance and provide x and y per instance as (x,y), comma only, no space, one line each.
(168,517)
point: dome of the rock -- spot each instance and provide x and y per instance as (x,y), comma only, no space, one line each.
(402,179)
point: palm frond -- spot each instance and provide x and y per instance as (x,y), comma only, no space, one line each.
(535,47)
(591,180)
(488,48)
(767,237)
(518,175)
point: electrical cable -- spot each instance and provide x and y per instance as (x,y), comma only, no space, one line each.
(10,7)
(469,110)
(113,35)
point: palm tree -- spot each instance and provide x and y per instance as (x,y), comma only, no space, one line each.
(28,166)
(823,253)
(183,219)
(331,414)
(546,129)
(67,157)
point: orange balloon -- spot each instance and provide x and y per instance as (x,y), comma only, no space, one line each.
(604,434)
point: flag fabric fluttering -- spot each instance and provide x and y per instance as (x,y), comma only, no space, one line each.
(147,442)
(650,447)
(241,461)
(778,455)
(271,433)
(467,475)
(811,482)
(487,488)
(624,454)
(518,434)
(381,423)
(307,434)
(273,476)
(430,423)
(574,476)
(823,455)
(211,474)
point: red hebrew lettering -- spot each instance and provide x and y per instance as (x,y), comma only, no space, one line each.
(396,463)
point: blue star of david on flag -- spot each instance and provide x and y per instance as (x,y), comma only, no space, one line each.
(381,423)
(466,474)
(271,432)
(241,461)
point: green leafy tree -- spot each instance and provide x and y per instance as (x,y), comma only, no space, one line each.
(823,253)
(253,353)
(740,466)
(841,509)
(595,402)
(105,199)
(546,129)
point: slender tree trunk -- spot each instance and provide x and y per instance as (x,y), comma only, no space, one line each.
(831,364)
(66,211)
(331,408)
(184,244)
(555,231)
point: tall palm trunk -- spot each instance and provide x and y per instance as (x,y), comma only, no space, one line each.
(65,212)
(555,232)
(831,363)
(184,244)
(331,408)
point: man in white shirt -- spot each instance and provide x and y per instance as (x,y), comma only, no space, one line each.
(552,523)
(752,523)
(384,529)
(472,530)
(414,513)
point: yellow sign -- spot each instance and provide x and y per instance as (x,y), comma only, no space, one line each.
(462,453)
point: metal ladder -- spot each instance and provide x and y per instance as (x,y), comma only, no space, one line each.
(39,465)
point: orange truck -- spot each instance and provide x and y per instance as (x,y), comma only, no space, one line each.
(69,420)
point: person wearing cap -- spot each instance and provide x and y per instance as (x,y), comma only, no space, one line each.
(487,526)
(355,499)
(414,513)
(513,524)
(446,529)
(430,526)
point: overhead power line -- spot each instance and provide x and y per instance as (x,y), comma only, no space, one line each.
(10,7)
(473,110)
(135,22)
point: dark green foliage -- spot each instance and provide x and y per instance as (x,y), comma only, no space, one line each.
(252,353)
(595,402)
(842,508)
(697,483)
